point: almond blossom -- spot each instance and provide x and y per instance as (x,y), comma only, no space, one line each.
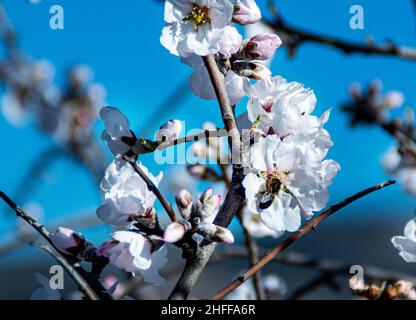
(406,244)
(117,133)
(281,107)
(288,182)
(195,26)
(401,165)
(134,252)
(126,194)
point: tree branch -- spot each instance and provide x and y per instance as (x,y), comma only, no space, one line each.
(295,236)
(74,271)
(294,37)
(235,195)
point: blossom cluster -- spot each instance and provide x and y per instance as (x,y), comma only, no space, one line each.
(288,176)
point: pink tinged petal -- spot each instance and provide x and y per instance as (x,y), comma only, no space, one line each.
(174,232)
(246,12)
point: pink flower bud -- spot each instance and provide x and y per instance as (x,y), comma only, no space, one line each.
(184,202)
(262,46)
(68,241)
(169,131)
(230,41)
(175,232)
(246,12)
(209,203)
(215,233)
(206,195)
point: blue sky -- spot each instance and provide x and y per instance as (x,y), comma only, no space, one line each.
(120,41)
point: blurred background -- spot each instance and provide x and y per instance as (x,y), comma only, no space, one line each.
(120,44)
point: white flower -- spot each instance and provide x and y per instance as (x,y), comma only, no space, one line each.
(230,42)
(68,241)
(45,292)
(195,26)
(201,85)
(256,227)
(402,166)
(126,194)
(279,105)
(288,181)
(169,131)
(407,244)
(133,252)
(117,131)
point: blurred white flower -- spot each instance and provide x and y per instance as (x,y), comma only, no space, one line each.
(287,183)
(214,148)
(133,252)
(195,26)
(126,194)
(45,292)
(402,166)
(407,244)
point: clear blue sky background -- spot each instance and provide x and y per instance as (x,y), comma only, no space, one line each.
(120,40)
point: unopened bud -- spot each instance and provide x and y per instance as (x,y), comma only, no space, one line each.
(68,241)
(262,46)
(246,12)
(184,202)
(175,231)
(215,233)
(209,203)
(169,131)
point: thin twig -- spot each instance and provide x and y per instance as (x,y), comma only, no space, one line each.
(152,187)
(82,284)
(80,280)
(295,236)
(294,36)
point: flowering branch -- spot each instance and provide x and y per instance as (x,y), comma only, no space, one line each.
(311,225)
(152,187)
(82,283)
(294,37)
